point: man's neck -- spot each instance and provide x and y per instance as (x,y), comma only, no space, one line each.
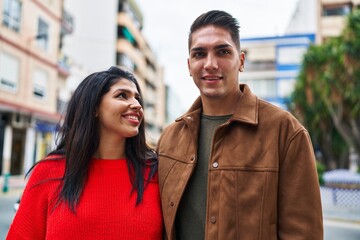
(220,106)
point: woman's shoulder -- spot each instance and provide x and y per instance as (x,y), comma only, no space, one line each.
(50,167)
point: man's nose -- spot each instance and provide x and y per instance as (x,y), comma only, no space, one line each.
(211,62)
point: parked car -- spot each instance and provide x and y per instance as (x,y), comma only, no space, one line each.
(16,205)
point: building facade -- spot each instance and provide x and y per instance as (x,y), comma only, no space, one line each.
(32,77)
(331,17)
(272,64)
(134,53)
(116,38)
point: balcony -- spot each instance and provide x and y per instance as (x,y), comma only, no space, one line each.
(331,26)
(335,2)
(67,24)
(260,66)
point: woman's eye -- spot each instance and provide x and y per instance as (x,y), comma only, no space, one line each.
(121,95)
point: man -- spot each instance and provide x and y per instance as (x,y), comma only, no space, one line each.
(234,166)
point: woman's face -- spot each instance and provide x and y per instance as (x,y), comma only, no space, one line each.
(119,111)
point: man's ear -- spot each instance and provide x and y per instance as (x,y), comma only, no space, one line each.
(188,63)
(242,62)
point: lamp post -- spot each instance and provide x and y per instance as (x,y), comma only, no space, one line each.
(353,160)
(6,183)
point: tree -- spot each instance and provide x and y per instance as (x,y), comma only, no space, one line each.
(327,94)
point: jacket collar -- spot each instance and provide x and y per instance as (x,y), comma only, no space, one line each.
(246,111)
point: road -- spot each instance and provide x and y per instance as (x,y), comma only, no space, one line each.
(333,230)
(6,213)
(340,230)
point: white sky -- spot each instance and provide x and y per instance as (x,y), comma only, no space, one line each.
(167,23)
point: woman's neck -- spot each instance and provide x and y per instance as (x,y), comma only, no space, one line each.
(110,149)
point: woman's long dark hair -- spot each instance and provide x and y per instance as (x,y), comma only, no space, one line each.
(79,138)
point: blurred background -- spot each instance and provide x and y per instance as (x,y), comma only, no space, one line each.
(301,55)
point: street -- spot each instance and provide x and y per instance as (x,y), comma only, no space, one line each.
(6,213)
(333,230)
(340,230)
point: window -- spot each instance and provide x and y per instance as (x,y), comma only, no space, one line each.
(336,10)
(123,32)
(9,72)
(40,84)
(12,14)
(42,36)
(264,88)
(291,55)
(286,87)
(125,61)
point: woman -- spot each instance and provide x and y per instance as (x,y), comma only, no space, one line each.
(101,180)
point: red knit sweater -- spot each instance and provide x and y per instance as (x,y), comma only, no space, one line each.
(106,209)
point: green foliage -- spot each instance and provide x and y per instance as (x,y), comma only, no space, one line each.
(320,170)
(326,96)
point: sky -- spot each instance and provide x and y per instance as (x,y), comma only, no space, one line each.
(166,26)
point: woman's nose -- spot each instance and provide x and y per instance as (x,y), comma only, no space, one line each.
(135,104)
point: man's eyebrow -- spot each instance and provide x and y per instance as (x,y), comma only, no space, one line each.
(223,46)
(196,49)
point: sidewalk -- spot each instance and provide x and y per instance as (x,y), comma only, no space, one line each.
(341,204)
(341,213)
(16,185)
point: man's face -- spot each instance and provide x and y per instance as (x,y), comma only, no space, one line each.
(214,62)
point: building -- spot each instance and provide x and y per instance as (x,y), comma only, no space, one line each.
(303,19)
(32,74)
(272,64)
(331,17)
(116,38)
(134,53)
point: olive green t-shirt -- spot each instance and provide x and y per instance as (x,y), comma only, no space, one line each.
(190,218)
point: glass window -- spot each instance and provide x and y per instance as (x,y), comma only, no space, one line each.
(336,10)
(9,72)
(40,84)
(42,36)
(12,14)
(125,61)
(291,55)
(286,87)
(263,88)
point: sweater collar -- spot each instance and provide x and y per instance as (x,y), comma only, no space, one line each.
(246,111)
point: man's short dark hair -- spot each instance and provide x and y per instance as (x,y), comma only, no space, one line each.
(220,19)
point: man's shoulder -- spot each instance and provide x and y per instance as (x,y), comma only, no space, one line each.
(275,114)
(173,127)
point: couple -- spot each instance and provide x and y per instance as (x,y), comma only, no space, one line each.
(232,167)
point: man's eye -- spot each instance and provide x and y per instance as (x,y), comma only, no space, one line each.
(198,54)
(224,51)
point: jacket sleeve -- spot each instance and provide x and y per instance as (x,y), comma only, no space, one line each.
(299,201)
(30,220)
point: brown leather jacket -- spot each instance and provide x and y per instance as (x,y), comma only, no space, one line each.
(262,181)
